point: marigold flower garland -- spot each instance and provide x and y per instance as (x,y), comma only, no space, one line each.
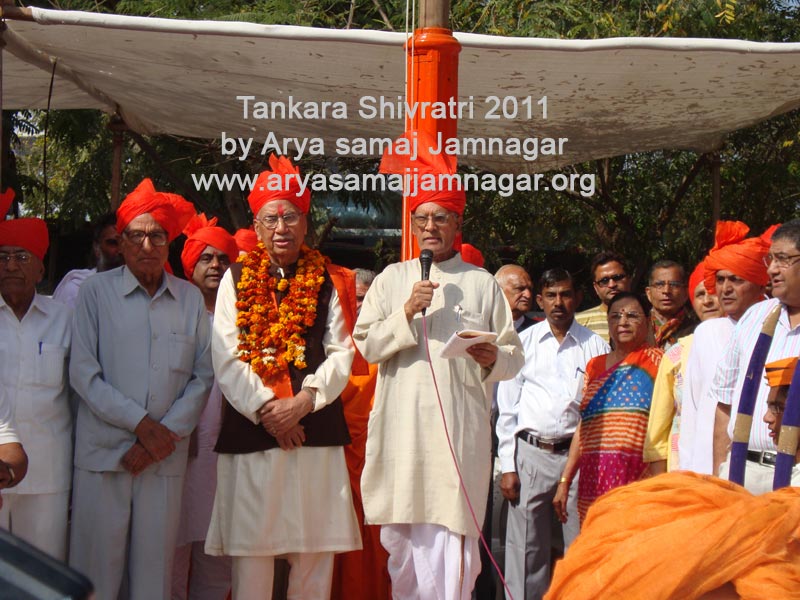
(271,335)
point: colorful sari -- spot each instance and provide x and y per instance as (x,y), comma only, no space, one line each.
(614,413)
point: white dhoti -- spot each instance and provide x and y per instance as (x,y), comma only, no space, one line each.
(39,519)
(430,562)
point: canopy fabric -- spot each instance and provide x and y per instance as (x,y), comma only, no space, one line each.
(608,97)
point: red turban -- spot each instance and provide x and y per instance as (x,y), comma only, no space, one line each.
(29,233)
(288,184)
(202,232)
(451,198)
(171,211)
(697,276)
(744,257)
(246,239)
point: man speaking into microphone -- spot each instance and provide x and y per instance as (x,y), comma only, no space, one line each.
(410,484)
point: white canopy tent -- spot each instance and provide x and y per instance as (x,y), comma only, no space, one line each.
(608,97)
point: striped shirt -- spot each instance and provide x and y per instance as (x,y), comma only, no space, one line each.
(732,369)
(595,319)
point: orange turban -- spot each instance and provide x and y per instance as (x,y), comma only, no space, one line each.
(246,239)
(426,164)
(29,232)
(202,232)
(681,535)
(171,211)
(288,183)
(780,372)
(742,257)
(696,277)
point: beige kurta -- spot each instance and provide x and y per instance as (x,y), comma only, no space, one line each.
(274,502)
(409,475)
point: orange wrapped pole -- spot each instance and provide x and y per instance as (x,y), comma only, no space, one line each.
(432,77)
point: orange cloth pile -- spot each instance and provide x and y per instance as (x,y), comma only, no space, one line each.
(681,535)
(744,257)
(200,233)
(281,183)
(29,232)
(171,211)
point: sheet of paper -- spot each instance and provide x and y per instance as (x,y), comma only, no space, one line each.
(461,340)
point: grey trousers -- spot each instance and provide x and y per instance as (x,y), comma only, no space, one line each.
(531,521)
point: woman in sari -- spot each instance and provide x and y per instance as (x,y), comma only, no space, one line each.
(607,446)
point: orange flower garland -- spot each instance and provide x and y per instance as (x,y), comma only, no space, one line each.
(271,335)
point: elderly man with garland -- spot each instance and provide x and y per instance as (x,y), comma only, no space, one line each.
(142,367)
(282,356)
(410,484)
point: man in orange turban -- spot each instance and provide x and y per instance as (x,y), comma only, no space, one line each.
(206,256)
(142,369)
(35,331)
(734,270)
(409,484)
(282,356)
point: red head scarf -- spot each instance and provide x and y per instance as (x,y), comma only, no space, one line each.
(453,199)
(29,233)
(696,277)
(744,257)
(171,211)
(285,177)
(246,239)
(202,232)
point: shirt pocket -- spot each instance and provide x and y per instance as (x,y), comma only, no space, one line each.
(48,366)
(181,353)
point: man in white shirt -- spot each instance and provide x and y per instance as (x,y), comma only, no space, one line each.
(784,272)
(735,271)
(539,411)
(35,334)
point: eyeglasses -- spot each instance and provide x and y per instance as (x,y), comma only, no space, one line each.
(775,408)
(289,219)
(662,285)
(157,237)
(604,281)
(439,219)
(783,261)
(21,258)
(632,316)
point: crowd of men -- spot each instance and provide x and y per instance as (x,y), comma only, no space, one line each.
(274,409)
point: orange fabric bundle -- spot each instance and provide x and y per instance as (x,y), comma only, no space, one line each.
(681,535)
(471,254)
(29,232)
(171,211)
(732,252)
(425,164)
(202,232)
(281,183)
(246,239)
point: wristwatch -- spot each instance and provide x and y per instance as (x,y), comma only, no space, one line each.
(313,393)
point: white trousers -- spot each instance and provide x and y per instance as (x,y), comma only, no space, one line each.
(430,562)
(125,525)
(757,477)
(204,577)
(310,576)
(39,519)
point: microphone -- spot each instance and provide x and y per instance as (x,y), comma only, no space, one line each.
(425,261)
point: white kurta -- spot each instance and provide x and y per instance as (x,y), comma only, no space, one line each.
(409,475)
(275,502)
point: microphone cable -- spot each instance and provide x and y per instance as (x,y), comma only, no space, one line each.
(478,526)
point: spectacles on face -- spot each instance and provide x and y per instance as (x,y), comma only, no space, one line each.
(289,219)
(775,408)
(604,281)
(662,285)
(632,316)
(21,258)
(439,219)
(157,237)
(784,261)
